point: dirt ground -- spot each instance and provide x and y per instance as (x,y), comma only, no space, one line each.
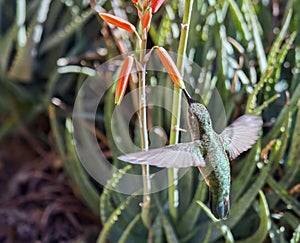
(37,202)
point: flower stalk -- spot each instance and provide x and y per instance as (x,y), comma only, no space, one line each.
(145,14)
(144,133)
(176,108)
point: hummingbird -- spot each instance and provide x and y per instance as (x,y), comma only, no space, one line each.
(209,151)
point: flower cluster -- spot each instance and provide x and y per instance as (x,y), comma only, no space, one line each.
(145,8)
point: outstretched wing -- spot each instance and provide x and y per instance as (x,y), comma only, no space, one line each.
(180,155)
(241,134)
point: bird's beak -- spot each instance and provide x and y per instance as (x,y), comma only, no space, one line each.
(188,97)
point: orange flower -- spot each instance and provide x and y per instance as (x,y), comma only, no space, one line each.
(170,67)
(123,79)
(146,19)
(117,21)
(156,4)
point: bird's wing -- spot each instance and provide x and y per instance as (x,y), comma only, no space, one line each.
(241,134)
(180,155)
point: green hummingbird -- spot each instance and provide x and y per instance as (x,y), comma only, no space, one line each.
(209,151)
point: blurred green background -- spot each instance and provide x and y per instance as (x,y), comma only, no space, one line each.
(248,50)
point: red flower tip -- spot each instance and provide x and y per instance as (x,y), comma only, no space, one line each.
(156,4)
(146,19)
(117,21)
(123,79)
(170,67)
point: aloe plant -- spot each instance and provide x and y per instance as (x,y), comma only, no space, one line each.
(252,173)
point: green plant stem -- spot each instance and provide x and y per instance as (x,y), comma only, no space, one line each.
(144,135)
(176,108)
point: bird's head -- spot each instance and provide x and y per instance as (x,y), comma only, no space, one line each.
(200,112)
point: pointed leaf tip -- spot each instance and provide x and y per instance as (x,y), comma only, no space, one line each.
(170,66)
(117,21)
(123,79)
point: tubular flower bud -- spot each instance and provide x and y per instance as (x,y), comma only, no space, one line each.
(123,79)
(156,4)
(170,67)
(117,21)
(146,19)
